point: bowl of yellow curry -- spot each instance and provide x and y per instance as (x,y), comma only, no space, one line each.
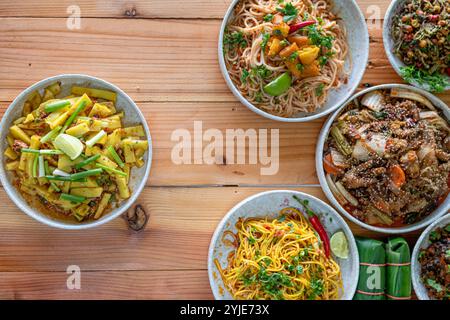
(76,151)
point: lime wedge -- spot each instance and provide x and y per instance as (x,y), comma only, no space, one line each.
(279,86)
(68,144)
(339,245)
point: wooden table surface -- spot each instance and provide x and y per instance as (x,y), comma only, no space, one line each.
(163,53)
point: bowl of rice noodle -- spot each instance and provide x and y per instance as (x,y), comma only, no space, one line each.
(293,61)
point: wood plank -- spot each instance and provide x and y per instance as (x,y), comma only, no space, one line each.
(296,145)
(143,8)
(124,285)
(152,60)
(182,221)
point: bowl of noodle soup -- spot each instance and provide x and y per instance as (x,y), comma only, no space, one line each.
(266,248)
(294,61)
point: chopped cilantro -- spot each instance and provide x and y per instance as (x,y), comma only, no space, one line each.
(316,287)
(261,71)
(289,11)
(317,38)
(319,90)
(234,40)
(245,74)
(266,37)
(436,81)
(434,236)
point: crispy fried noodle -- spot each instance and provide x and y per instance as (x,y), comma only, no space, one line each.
(260,45)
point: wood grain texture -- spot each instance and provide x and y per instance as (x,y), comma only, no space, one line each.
(164,54)
(186,284)
(182,221)
(152,60)
(139,9)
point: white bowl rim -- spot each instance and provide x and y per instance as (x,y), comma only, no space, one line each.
(395,61)
(321,174)
(20,203)
(415,254)
(330,209)
(255,109)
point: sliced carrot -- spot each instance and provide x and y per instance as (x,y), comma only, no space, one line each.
(397,176)
(329,166)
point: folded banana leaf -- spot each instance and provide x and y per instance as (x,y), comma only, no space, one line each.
(372,270)
(398,270)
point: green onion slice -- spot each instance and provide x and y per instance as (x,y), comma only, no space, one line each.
(72,198)
(51,134)
(56,105)
(83,163)
(111,169)
(90,143)
(115,156)
(43,151)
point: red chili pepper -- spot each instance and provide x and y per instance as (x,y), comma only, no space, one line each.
(317,225)
(448,71)
(300,25)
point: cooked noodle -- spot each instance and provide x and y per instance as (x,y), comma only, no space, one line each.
(305,94)
(279,259)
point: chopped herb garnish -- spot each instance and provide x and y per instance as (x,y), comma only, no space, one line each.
(319,90)
(299,269)
(293,56)
(289,11)
(316,288)
(317,38)
(284,43)
(245,74)
(266,37)
(234,40)
(261,71)
(268,17)
(436,81)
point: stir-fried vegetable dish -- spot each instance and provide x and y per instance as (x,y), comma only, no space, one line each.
(435,264)
(421,37)
(71,156)
(387,157)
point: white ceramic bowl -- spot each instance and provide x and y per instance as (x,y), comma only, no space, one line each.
(396,62)
(442,209)
(358,41)
(269,204)
(133,116)
(423,243)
